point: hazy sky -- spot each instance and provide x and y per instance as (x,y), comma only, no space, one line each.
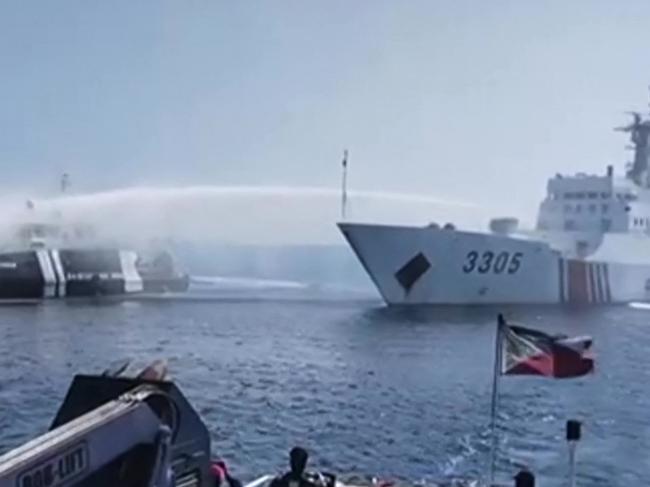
(475,101)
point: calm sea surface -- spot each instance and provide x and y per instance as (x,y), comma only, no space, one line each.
(401,393)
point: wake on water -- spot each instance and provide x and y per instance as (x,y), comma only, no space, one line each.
(222,282)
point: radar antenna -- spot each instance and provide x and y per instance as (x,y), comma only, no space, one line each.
(639,130)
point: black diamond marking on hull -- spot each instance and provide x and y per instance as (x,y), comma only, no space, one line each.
(410,272)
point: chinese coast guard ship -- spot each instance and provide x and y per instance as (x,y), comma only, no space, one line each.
(48,260)
(591,245)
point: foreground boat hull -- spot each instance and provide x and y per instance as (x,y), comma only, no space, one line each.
(411,265)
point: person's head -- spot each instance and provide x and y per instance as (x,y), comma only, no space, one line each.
(298,457)
(222,465)
(218,474)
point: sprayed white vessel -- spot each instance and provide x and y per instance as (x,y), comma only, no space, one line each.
(47,259)
(591,245)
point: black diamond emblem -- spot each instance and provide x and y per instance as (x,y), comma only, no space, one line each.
(410,272)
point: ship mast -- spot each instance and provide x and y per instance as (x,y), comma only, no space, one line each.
(639,130)
(65,182)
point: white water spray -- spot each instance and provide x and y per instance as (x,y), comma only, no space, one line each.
(268,215)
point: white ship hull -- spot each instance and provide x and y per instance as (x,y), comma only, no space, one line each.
(411,265)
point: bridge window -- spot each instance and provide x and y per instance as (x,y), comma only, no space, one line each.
(605,208)
(605,196)
(578,208)
(592,195)
(592,208)
(574,196)
(569,225)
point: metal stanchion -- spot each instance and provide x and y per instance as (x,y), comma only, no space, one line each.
(572,437)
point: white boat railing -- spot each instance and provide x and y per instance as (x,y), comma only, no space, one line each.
(259,481)
(265,479)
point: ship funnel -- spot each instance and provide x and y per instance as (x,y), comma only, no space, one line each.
(504,226)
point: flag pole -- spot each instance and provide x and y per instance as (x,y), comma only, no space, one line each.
(495,397)
(344,184)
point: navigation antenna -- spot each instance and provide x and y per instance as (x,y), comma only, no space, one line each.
(65,182)
(344,184)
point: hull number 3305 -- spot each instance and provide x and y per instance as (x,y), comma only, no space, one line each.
(491,262)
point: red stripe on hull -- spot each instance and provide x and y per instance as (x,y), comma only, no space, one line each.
(578,291)
(561,271)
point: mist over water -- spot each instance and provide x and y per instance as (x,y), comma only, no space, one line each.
(238,215)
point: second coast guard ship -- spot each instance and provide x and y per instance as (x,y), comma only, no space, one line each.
(591,245)
(42,257)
